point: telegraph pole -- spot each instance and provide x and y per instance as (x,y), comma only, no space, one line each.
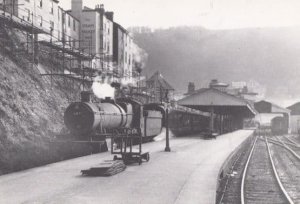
(167,148)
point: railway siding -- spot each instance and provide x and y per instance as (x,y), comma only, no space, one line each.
(288,168)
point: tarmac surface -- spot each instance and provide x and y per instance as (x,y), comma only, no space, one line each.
(187,174)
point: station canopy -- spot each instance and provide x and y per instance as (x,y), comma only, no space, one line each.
(221,102)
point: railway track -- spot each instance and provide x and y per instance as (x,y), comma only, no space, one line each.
(261,182)
(287,157)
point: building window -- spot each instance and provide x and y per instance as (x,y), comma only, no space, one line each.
(41,21)
(74,25)
(27,18)
(58,15)
(40,3)
(51,7)
(69,21)
(58,35)
(51,26)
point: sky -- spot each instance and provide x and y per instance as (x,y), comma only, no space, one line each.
(211,14)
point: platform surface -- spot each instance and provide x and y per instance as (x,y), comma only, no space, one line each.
(187,174)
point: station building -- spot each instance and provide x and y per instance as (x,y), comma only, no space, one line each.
(230,111)
(295,117)
(57,24)
(268,111)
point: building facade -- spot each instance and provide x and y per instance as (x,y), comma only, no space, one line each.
(123,53)
(46,15)
(96,33)
(295,118)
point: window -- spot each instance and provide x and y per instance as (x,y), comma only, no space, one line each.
(74,25)
(58,14)
(27,15)
(51,7)
(69,21)
(41,21)
(58,35)
(40,3)
(51,26)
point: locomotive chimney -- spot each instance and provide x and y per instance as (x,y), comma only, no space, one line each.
(85,96)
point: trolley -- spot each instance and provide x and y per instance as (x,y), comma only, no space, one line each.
(125,141)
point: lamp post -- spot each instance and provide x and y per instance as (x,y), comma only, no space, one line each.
(167,148)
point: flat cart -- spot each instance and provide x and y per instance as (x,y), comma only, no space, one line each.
(125,140)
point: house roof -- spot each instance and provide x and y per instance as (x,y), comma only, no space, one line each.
(157,76)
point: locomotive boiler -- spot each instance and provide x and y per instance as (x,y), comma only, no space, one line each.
(87,119)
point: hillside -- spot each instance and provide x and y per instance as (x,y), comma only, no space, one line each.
(31,112)
(269,56)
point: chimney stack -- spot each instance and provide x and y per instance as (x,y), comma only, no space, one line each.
(77,9)
(110,15)
(86,96)
(191,88)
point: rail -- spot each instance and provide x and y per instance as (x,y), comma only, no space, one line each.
(284,144)
(245,172)
(276,174)
(282,189)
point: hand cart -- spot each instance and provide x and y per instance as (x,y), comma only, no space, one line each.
(125,141)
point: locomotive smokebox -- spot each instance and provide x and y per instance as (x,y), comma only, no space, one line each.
(85,96)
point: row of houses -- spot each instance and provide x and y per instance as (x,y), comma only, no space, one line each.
(91,30)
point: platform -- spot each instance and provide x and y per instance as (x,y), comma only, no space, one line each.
(187,174)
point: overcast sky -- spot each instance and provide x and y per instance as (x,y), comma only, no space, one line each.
(214,14)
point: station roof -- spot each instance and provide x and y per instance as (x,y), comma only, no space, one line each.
(295,109)
(223,103)
(268,107)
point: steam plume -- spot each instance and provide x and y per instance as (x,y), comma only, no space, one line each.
(102,88)
(140,57)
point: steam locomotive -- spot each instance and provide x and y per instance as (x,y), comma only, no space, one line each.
(93,121)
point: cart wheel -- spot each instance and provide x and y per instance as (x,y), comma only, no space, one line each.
(115,158)
(140,161)
(147,157)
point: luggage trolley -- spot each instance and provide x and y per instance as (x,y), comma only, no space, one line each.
(125,142)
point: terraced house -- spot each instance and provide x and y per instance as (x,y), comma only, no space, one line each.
(46,15)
